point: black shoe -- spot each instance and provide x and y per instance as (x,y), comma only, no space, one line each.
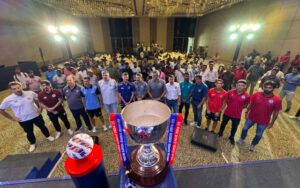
(220,135)
(78,129)
(185,122)
(206,129)
(212,131)
(232,141)
(287,110)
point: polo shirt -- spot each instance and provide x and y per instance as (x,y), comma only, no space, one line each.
(60,80)
(240,74)
(73,97)
(108,91)
(186,89)
(156,88)
(51,99)
(236,103)
(199,91)
(91,97)
(140,88)
(263,107)
(23,106)
(179,76)
(173,91)
(216,99)
(125,90)
(49,76)
(291,78)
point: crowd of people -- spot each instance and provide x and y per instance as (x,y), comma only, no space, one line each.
(92,85)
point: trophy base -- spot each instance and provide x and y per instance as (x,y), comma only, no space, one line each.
(148,176)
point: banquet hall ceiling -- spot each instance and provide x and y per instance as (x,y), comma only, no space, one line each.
(139,8)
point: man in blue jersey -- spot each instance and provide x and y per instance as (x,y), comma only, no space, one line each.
(92,101)
(126,90)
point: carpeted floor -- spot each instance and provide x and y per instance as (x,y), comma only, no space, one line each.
(282,141)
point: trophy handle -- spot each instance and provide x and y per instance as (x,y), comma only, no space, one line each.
(126,127)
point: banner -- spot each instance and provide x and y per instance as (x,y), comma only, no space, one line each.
(122,139)
(171,127)
(176,137)
(114,126)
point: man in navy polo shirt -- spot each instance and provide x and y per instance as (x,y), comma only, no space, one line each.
(126,90)
(92,99)
(199,97)
(73,93)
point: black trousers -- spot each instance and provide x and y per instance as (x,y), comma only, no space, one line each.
(210,84)
(298,113)
(235,124)
(28,128)
(77,114)
(187,110)
(54,118)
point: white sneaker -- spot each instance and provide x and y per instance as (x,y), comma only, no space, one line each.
(104,127)
(50,138)
(193,123)
(252,148)
(293,117)
(94,129)
(70,131)
(240,141)
(109,126)
(32,147)
(58,134)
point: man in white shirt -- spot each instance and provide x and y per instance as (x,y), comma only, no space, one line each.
(135,70)
(211,75)
(21,77)
(179,74)
(173,94)
(279,74)
(26,113)
(83,70)
(186,69)
(109,91)
(60,80)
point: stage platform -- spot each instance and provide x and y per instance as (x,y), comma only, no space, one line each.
(281,173)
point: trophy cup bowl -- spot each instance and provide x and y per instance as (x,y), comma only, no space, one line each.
(147,121)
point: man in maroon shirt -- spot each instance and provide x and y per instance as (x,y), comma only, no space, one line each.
(240,73)
(51,100)
(237,99)
(262,106)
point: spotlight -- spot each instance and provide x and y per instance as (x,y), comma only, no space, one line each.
(256,27)
(57,38)
(233,36)
(73,38)
(250,36)
(63,29)
(74,30)
(232,28)
(52,29)
(244,27)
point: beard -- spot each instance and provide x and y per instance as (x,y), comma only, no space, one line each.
(267,92)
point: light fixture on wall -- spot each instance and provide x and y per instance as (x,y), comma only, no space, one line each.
(241,31)
(64,33)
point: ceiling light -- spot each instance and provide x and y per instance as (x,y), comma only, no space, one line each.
(233,36)
(57,38)
(52,29)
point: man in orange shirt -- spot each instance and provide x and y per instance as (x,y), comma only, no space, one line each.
(215,104)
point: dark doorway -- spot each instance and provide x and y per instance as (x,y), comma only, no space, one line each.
(183,29)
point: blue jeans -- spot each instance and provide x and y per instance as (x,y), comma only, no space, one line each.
(197,112)
(259,131)
(173,104)
(110,108)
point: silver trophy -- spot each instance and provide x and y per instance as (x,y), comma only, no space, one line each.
(147,121)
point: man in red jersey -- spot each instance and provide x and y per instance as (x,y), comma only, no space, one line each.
(237,99)
(51,100)
(240,73)
(215,103)
(262,106)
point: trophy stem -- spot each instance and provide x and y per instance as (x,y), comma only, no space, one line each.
(147,155)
